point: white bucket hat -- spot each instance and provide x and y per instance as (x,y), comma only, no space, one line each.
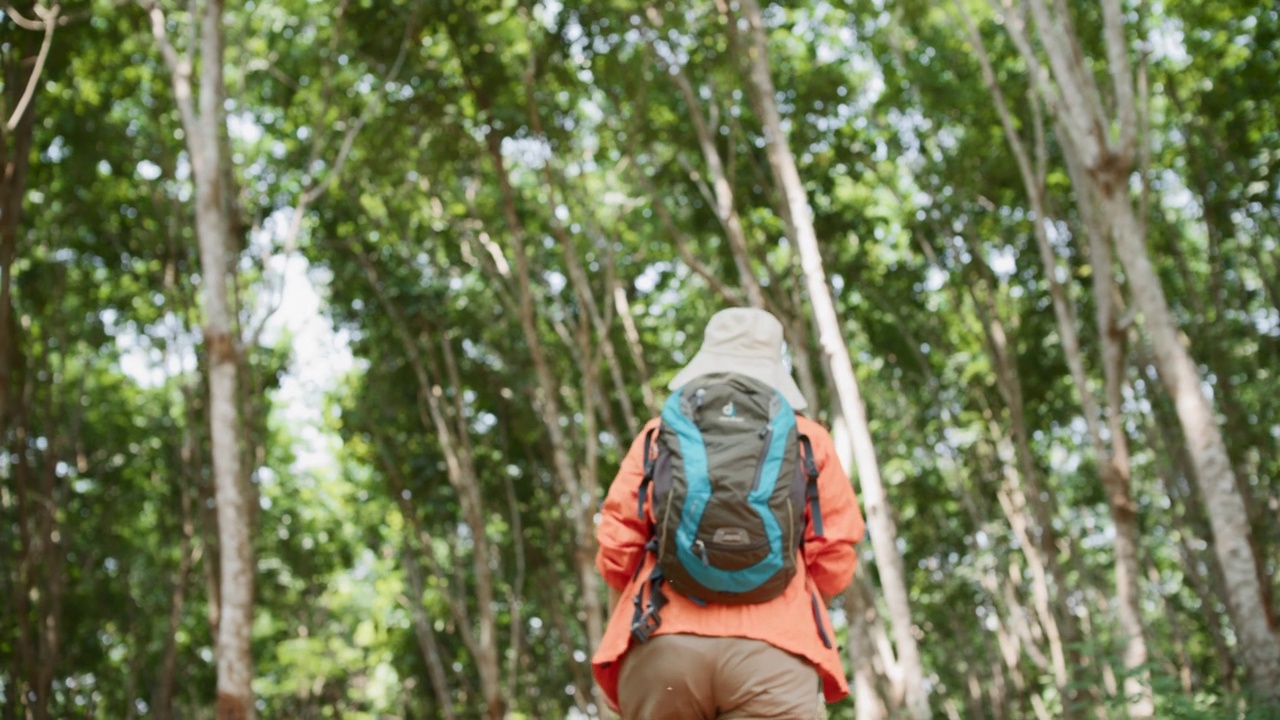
(747,341)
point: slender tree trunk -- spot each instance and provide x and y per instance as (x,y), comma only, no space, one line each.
(723,198)
(583,489)
(235,667)
(1116,468)
(635,347)
(1170,467)
(17,126)
(516,597)
(162,692)
(583,496)
(867,696)
(425,634)
(15,156)
(835,352)
(203,128)
(1024,488)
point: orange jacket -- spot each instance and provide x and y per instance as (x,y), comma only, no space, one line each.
(789,622)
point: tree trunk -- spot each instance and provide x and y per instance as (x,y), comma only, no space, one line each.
(584,496)
(15,157)
(723,199)
(425,634)
(1116,467)
(162,692)
(203,131)
(213,228)
(835,352)
(868,700)
(15,154)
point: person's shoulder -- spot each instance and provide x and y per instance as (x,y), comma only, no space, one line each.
(810,427)
(649,427)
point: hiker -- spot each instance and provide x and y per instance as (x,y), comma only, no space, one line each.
(728,529)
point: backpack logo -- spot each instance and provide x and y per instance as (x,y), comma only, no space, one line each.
(729,413)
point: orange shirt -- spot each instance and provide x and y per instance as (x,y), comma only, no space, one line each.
(796,621)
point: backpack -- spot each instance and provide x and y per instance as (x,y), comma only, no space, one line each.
(730,476)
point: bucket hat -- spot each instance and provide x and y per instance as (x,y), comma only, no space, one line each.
(746,341)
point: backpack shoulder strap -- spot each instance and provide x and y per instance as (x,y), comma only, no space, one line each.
(649,462)
(811,486)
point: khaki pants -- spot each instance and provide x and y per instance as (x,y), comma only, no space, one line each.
(689,677)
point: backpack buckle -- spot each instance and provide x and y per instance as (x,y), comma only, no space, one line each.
(644,626)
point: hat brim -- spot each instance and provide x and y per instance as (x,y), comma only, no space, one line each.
(770,372)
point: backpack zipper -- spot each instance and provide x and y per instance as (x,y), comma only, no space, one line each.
(700,549)
(765,434)
(732,547)
(791,527)
(665,524)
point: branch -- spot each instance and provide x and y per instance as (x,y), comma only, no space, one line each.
(997,98)
(313,189)
(1083,108)
(1121,77)
(49,21)
(63,20)
(180,75)
(1041,77)
(1144,147)
(722,201)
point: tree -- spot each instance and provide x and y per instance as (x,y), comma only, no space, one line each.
(203,126)
(835,355)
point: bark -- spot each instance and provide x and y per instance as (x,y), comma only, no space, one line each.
(1219,227)
(635,347)
(1223,501)
(1024,489)
(516,598)
(799,224)
(1169,468)
(28,600)
(797,334)
(235,668)
(683,242)
(581,284)
(1013,502)
(16,134)
(554,588)
(422,544)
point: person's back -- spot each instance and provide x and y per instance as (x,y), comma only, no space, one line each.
(671,653)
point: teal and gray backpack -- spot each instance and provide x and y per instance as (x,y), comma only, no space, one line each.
(728,476)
